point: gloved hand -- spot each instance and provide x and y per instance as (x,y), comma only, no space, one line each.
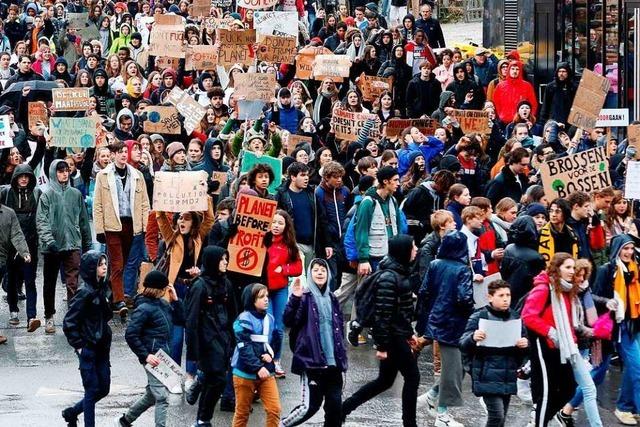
(212,187)
(101,238)
(53,248)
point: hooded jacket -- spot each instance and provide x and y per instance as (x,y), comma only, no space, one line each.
(287,118)
(558,97)
(418,206)
(510,92)
(302,315)
(439,114)
(66,76)
(447,291)
(461,88)
(495,82)
(209,164)
(24,202)
(11,238)
(106,101)
(118,132)
(522,261)
(121,40)
(369,235)
(86,324)
(62,220)
(210,309)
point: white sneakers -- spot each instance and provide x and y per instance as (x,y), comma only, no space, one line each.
(625,418)
(425,401)
(445,420)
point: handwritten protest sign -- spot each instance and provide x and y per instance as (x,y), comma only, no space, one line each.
(191,111)
(473,120)
(202,57)
(586,171)
(633,136)
(161,19)
(306,58)
(6,140)
(212,23)
(168,372)
(278,49)
(234,54)
(180,191)
(246,249)
(275,24)
(372,86)
(632,181)
(396,126)
(256,4)
(244,37)
(166,40)
(347,125)
(164,62)
(70,99)
(255,86)
(220,177)
(72,131)
(200,8)
(249,160)
(589,100)
(294,140)
(37,113)
(162,120)
(335,66)
(221,3)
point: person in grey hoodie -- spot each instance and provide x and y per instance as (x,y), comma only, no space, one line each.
(63,228)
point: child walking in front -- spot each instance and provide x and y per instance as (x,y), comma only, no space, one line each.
(252,362)
(319,356)
(493,370)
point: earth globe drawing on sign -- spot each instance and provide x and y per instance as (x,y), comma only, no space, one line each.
(86,140)
(1,124)
(154,117)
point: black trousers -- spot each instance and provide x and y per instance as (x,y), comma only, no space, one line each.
(400,358)
(318,385)
(497,407)
(213,384)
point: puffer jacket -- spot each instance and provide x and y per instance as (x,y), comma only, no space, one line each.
(522,261)
(493,370)
(62,220)
(151,326)
(394,294)
(446,294)
(210,310)
(86,324)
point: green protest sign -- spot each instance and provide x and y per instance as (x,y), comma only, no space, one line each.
(250,159)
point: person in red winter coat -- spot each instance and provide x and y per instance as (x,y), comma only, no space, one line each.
(511,91)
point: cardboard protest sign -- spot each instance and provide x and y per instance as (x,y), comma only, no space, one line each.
(473,120)
(166,40)
(246,249)
(191,111)
(70,99)
(244,37)
(256,86)
(168,372)
(586,171)
(167,19)
(72,132)
(202,57)
(257,4)
(613,117)
(210,22)
(38,113)
(164,62)
(162,120)
(589,100)
(6,140)
(275,24)
(230,54)
(221,177)
(294,140)
(200,8)
(372,86)
(221,3)
(250,159)
(306,58)
(180,191)
(334,66)
(347,125)
(633,136)
(632,181)
(278,49)
(396,126)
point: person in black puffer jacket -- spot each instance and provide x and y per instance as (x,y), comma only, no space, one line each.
(87,330)
(150,330)
(521,262)
(210,311)
(392,331)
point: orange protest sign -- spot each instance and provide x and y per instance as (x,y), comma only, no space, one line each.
(473,120)
(38,113)
(162,120)
(372,86)
(305,59)
(255,86)
(202,57)
(278,49)
(396,126)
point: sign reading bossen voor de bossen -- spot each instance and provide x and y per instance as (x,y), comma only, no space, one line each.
(246,249)
(586,171)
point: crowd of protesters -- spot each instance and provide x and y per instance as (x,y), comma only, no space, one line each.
(388,234)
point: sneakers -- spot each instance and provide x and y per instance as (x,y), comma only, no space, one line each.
(564,420)
(192,390)
(483,406)
(13,318)
(33,324)
(70,419)
(625,418)
(122,422)
(362,339)
(202,424)
(3,339)
(49,326)
(445,420)
(426,401)
(280,373)
(353,336)
(227,405)
(121,309)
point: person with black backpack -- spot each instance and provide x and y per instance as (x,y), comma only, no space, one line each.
(391,297)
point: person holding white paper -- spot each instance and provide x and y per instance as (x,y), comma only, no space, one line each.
(493,370)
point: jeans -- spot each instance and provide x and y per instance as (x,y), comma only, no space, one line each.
(318,385)
(155,394)
(384,9)
(177,335)
(69,262)
(132,267)
(497,407)
(598,373)
(213,383)
(629,350)
(585,383)
(401,359)
(268,392)
(277,302)
(18,270)
(95,371)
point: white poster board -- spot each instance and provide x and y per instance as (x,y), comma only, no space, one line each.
(500,334)
(167,372)
(632,181)
(6,135)
(275,23)
(481,292)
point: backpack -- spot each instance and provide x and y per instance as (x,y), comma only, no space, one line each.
(365,299)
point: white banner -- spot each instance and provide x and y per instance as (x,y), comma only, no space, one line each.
(617,117)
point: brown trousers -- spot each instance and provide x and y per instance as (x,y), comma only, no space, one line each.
(268,392)
(118,248)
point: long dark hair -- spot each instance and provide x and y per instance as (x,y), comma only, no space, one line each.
(288,236)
